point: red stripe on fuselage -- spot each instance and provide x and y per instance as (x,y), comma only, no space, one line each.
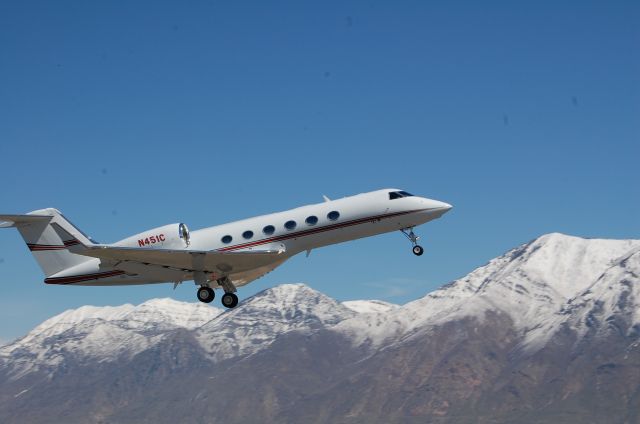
(316,230)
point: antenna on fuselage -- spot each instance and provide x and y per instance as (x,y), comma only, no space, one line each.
(326,199)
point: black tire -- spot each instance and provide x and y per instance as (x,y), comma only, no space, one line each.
(206,294)
(418,250)
(229,300)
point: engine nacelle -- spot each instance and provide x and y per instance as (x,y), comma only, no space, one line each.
(172,236)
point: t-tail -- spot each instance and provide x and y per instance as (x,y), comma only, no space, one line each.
(51,252)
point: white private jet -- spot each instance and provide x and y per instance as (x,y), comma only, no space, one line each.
(225,256)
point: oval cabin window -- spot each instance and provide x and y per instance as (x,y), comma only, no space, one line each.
(268,230)
(290,225)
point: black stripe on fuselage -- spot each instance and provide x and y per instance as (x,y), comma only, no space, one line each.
(317,230)
(40,247)
(82,277)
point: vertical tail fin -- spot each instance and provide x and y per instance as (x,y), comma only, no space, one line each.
(45,244)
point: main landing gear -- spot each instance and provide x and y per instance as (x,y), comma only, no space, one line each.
(230,300)
(417,249)
(206,293)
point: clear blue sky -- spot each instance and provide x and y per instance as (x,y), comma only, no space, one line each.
(131,115)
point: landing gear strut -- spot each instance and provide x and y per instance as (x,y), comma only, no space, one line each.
(417,249)
(206,293)
(229,299)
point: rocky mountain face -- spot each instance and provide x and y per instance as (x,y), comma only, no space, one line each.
(547,333)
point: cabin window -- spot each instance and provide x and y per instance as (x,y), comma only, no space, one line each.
(247,234)
(333,215)
(268,230)
(227,239)
(290,225)
(311,220)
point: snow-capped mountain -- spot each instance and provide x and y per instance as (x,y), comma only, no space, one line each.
(265,316)
(611,301)
(101,333)
(109,333)
(529,284)
(547,332)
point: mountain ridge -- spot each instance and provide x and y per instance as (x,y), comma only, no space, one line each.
(521,338)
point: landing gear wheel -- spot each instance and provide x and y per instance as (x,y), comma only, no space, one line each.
(417,249)
(206,294)
(229,300)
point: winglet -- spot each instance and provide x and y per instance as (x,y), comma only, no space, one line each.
(326,199)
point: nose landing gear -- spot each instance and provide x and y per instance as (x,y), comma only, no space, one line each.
(417,249)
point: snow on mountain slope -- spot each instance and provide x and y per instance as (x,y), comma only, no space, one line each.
(529,284)
(108,333)
(105,333)
(259,320)
(611,302)
(615,294)
(369,306)
(72,317)
(170,313)
(540,286)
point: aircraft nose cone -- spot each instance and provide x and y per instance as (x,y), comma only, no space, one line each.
(444,205)
(438,207)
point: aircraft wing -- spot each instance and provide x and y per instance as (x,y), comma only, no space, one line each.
(188,260)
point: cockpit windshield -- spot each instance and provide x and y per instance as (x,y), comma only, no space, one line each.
(398,194)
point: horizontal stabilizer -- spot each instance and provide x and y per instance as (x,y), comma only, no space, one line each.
(7,221)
